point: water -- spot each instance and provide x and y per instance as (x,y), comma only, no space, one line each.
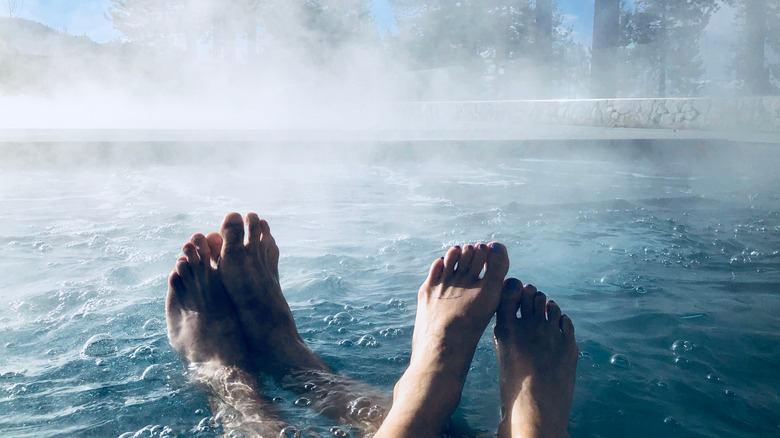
(665,255)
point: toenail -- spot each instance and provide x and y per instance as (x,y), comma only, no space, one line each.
(514,284)
(482,246)
(539,293)
(496,248)
(457,247)
(551,302)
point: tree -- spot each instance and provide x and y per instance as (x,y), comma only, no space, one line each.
(13,7)
(665,45)
(759,27)
(606,39)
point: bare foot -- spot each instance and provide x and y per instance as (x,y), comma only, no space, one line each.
(250,273)
(204,330)
(455,306)
(202,326)
(537,361)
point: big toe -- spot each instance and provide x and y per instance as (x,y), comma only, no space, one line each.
(232,231)
(497,264)
(510,302)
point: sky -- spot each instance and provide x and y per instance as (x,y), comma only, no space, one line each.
(86,17)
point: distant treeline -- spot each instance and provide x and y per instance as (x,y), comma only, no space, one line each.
(489,49)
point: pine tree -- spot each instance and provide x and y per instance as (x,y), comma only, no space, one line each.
(664,49)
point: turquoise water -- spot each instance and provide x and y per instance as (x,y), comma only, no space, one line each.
(665,255)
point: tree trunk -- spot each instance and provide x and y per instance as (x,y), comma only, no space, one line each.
(543,42)
(755,74)
(606,38)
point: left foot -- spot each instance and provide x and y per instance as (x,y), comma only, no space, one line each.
(202,326)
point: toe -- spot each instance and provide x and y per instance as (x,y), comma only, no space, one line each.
(184,269)
(478,262)
(527,301)
(553,313)
(436,273)
(255,229)
(451,259)
(232,232)
(510,301)
(567,327)
(464,264)
(173,300)
(202,246)
(215,246)
(540,305)
(497,264)
(191,254)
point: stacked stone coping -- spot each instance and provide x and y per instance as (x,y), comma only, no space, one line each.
(757,114)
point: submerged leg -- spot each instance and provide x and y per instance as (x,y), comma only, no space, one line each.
(203,329)
(537,361)
(249,270)
(455,306)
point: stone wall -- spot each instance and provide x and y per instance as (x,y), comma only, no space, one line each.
(756,114)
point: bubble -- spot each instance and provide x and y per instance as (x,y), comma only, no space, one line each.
(640,290)
(277,399)
(346,343)
(303,401)
(289,432)
(671,421)
(729,393)
(682,346)
(337,431)
(127,435)
(712,377)
(99,345)
(142,352)
(236,434)
(619,360)
(153,373)
(309,386)
(368,341)
(153,325)
(341,318)
(681,361)
(396,303)
(207,424)
(16,389)
(390,332)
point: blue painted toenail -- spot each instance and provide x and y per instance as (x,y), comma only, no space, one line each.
(514,284)
(538,293)
(496,248)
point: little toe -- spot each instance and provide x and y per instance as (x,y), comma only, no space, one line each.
(175,289)
(255,229)
(464,264)
(451,259)
(184,269)
(232,232)
(510,301)
(553,313)
(497,263)
(478,262)
(567,327)
(540,305)
(527,301)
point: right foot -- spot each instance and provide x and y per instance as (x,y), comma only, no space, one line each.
(455,305)
(250,273)
(537,361)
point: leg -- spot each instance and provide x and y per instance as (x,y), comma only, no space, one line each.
(537,360)
(249,270)
(203,328)
(455,306)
